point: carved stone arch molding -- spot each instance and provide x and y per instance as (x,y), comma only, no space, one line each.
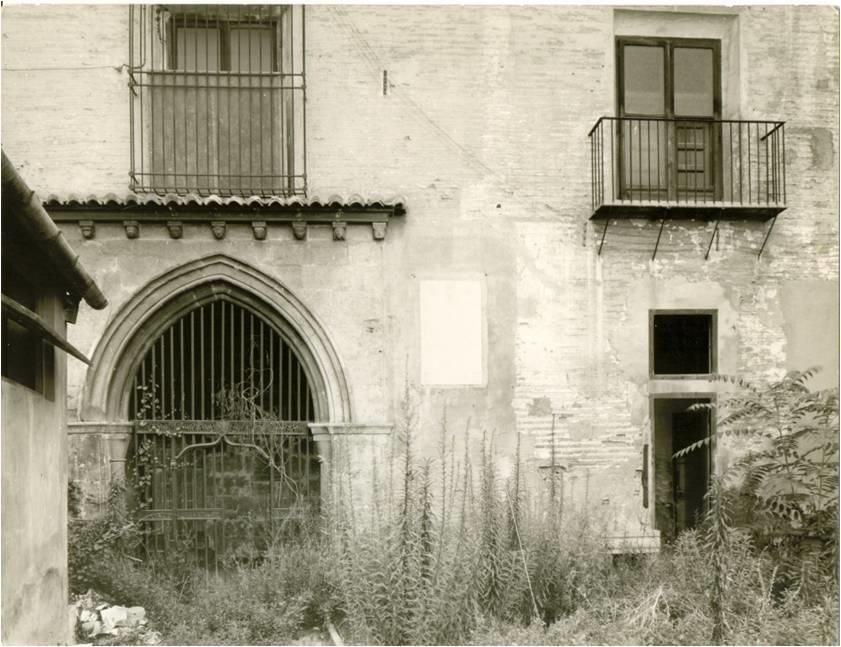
(171,295)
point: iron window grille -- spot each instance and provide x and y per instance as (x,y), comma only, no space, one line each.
(223,457)
(217,99)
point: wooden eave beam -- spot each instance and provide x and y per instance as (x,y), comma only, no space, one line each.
(31,321)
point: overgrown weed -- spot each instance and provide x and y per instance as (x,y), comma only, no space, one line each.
(455,552)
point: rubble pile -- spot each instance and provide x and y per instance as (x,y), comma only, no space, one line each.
(97,619)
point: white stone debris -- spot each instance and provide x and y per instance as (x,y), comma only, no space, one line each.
(97,618)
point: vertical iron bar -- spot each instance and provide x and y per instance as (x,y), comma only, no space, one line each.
(308,444)
(229,90)
(767,167)
(612,161)
(593,185)
(750,163)
(777,169)
(211,160)
(783,160)
(131,70)
(630,140)
(741,167)
(164,411)
(592,174)
(272,81)
(172,371)
(195,477)
(260,364)
(242,346)
(758,164)
(232,343)
(182,386)
(250,113)
(203,386)
(155,93)
(141,73)
(704,153)
(283,125)
(143,376)
(154,379)
(224,543)
(240,146)
(222,348)
(213,349)
(730,145)
(639,155)
(298,389)
(289,381)
(252,346)
(303,93)
(648,154)
(262,81)
(601,162)
(197,85)
(284,388)
(659,164)
(272,374)
(193,380)
(162,89)
(291,135)
(694,171)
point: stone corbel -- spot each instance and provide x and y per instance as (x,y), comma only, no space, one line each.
(175,228)
(379,229)
(339,230)
(259,229)
(132,228)
(299,230)
(219,228)
(88,229)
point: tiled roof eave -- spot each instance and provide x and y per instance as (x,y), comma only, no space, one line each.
(155,204)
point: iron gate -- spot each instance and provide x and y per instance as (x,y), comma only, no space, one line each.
(223,458)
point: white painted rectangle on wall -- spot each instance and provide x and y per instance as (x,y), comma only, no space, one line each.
(452,331)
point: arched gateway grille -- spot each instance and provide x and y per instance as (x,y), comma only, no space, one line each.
(223,454)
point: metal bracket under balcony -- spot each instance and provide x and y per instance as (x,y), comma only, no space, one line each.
(687,169)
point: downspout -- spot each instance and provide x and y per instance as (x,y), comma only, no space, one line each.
(22,202)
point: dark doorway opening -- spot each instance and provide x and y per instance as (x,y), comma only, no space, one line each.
(680,483)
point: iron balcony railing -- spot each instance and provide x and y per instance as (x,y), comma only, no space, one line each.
(217,97)
(640,163)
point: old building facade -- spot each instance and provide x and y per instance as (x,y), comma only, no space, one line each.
(549,223)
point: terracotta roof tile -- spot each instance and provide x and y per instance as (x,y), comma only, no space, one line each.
(195,200)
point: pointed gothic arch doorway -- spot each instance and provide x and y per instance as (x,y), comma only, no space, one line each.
(223,456)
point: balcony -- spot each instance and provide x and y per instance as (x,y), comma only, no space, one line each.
(217,100)
(662,168)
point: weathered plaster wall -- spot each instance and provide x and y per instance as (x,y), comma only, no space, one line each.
(34,504)
(483,129)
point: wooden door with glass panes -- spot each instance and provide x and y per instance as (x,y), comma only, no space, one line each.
(668,131)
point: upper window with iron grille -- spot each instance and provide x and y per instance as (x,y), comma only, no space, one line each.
(217,99)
